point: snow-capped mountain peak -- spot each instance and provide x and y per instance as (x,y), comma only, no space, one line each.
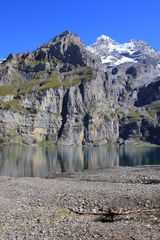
(113,53)
(101,45)
(103,39)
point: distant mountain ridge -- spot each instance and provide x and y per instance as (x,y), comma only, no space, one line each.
(66,93)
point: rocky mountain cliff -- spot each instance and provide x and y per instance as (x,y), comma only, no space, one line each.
(67,93)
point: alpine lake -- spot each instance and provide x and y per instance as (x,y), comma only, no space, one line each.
(40,161)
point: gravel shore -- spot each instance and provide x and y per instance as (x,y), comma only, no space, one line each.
(35,208)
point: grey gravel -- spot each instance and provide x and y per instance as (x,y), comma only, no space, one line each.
(35,208)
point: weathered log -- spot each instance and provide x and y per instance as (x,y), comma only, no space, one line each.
(110,214)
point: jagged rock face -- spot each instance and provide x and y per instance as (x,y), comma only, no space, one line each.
(67,93)
(149,93)
(67,47)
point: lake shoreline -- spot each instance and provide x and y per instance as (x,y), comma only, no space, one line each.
(38,208)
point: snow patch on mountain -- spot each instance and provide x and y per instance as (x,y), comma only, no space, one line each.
(114,61)
(126,48)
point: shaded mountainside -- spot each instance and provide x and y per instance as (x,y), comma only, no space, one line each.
(67,93)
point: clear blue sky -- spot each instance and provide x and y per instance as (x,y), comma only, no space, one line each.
(26,24)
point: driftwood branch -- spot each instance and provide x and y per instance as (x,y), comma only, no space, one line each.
(110,214)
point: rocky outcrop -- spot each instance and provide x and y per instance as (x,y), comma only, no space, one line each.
(65,93)
(149,93)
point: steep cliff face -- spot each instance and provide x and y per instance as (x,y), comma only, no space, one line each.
(67,93)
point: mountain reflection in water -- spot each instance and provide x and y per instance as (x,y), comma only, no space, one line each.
(33,161)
